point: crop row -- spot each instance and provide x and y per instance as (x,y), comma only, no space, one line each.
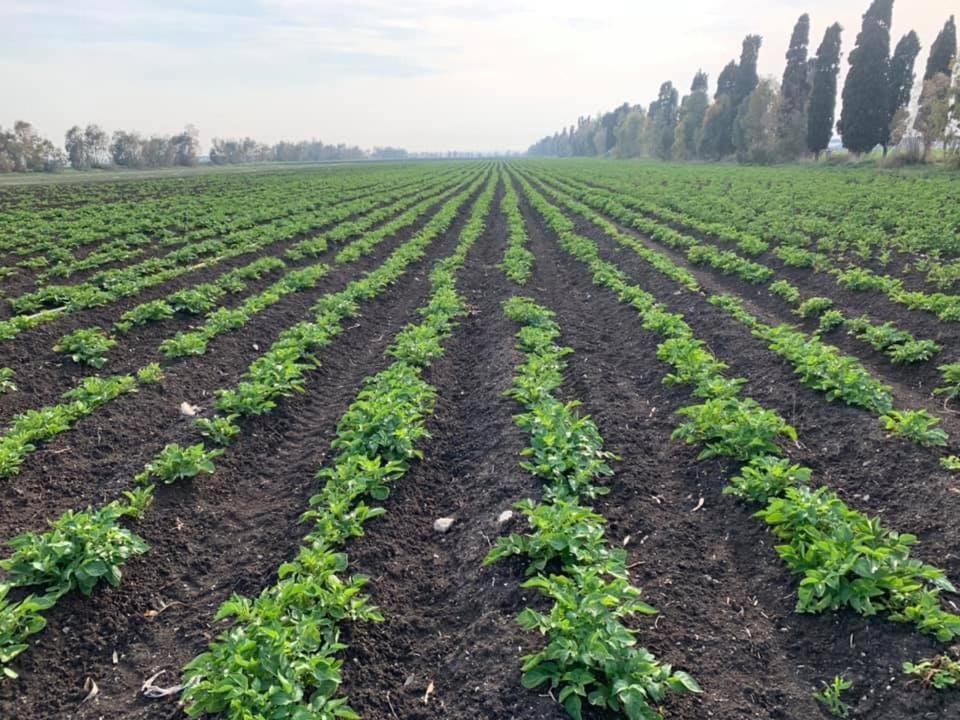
(844,559)
(819,366)
(277,373)
(28,429)
(853,220)
(851,275)
(279,657)
(900,346)
(591,655)
(114,285)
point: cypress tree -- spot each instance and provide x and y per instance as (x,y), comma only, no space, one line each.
(693,109)
(943,51)
(823,94)
(795,89)
(663,116)
(747,77)
(700,82)
(795,86)
(901,80)
(866,93)
(727,80)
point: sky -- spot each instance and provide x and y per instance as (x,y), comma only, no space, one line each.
(427,75)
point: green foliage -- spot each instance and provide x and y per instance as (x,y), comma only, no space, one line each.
(80,550)
(153,311)
(941,672)
(178,463)
(7,383)
(591,655)
(951,378)
(831,694)
(279,658)
(951,463)
(864,119)
(785,290)
(87,346)
(814,307)
(150,374)
(733,427)
(221,430)
(918,426)
(849,560)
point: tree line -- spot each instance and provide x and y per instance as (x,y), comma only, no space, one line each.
(22,149)
(762,120)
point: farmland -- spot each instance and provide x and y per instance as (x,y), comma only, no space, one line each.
(489,439)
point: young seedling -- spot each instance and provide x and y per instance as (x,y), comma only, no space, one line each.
(830,696)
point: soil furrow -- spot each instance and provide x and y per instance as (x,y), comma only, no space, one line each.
(225,533)
(109,445)
(726,600)
(448,620)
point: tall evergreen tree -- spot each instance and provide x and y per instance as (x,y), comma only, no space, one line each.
(727,80)
(663,119)
(700,82)
(901,80)
(864,120)
(693,109)
(823,94)
(943,51)
(747,77)
(795,89)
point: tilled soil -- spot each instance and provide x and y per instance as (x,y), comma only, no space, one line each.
(726,601)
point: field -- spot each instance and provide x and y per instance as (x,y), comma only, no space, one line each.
(525,439)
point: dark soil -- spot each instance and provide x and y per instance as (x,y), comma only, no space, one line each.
(726,601)
(43,375)
(450,622)
(225,533)
(727,598)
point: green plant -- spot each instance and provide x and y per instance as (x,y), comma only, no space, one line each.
(733,427)
(151,374)
(177,463)
(830,696)
(951,376)
(220,429)
(951,463)
(785,290)
(182,344)
(913,351)
(6,381)
(829,320)
(87,346)
(940,672)
(918,426)
(153,311)
(814,307)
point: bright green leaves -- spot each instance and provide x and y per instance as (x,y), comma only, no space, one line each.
(87,346)
(918,426)
(733,427)
(175,463)
(279,660)
(941,672)
(591,656)
(831,694)
(80,550)
(517,260)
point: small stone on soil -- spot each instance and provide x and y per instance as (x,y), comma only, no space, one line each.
(441,525)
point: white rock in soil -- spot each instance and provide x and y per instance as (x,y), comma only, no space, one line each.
(188,410)
(505,516)
(441,525)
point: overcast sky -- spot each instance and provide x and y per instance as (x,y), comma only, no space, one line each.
(421,74)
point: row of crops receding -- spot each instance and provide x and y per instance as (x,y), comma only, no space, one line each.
(481,439)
